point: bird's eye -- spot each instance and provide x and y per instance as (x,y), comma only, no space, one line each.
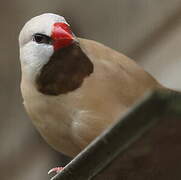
(41,38)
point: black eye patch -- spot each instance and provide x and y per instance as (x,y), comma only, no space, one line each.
(42,39)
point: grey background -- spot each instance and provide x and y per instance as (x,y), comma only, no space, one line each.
(149,31)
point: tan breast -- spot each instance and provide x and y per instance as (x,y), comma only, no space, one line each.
(70,121)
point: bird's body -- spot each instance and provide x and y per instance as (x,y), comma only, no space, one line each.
(69,118)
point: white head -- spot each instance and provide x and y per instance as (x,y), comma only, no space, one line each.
(38,40)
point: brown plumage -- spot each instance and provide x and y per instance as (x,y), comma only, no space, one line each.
(65,71)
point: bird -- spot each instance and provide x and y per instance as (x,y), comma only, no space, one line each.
(74,88)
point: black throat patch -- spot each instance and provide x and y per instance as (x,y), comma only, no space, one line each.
(65,71)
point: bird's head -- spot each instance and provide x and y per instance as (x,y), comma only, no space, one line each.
(40,38)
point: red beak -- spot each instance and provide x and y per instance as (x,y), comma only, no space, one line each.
(62,35)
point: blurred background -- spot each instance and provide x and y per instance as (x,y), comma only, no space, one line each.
(149,31)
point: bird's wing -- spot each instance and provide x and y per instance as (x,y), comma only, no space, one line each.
(115,84)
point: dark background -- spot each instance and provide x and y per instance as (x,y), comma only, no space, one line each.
(149,31)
